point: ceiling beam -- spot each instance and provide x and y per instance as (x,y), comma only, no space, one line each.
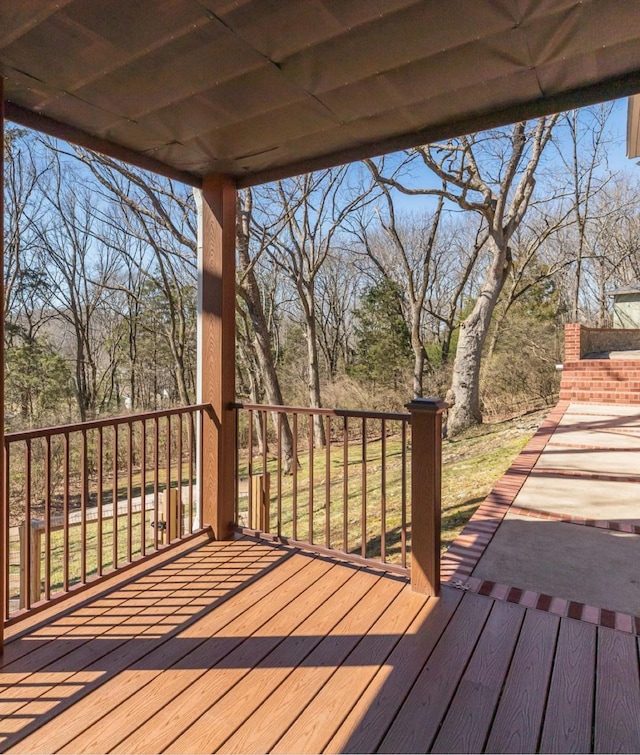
(611,89)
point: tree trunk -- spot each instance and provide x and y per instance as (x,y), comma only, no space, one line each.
(465,387)
(419,353)
(419,356)
(314,379)
(249,290)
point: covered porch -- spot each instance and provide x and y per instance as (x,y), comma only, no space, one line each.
(207,637)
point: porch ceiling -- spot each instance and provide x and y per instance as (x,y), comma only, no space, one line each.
(261,89)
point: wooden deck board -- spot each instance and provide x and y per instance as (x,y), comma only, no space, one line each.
(617,710)
(234,707)
(208,672)
(84,602)
(265,726)
(51,641)
(248,646)
(516,727)
(315,726)
(113,692)
(364,727)
(568,719)
(471,712)
(417,722)
(91,675)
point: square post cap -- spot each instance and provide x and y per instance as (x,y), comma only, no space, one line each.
(431,405)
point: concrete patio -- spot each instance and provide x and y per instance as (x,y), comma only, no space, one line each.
(571,532)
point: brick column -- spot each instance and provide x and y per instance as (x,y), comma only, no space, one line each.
(572,351)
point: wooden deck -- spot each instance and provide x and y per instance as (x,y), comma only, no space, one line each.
(251,647)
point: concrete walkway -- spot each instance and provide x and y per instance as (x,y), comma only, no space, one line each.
(566,535)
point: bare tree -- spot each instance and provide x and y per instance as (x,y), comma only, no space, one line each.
(258,335)
(492,174)
(413,250)
(337,292)
(24,306)
(529,267)
(160,214)
(77,279)
(588,139)
(303,215)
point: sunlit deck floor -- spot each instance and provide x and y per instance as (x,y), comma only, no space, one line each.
(250,647)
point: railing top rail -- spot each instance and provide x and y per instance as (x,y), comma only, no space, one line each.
(43,432)
(357,413)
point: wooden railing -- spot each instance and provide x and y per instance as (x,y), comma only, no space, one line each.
(84,500)
(341,481)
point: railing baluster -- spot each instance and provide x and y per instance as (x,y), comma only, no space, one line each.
(265,523)
(364,488)
(27,526)
(294,491)
(345,485)
(99,493)
(327,482)
(129,491)
(114,500)
(383,492)
(168,508)
(236,490)
(200,462)
(156,481)
(190,428)
(279,473)
(65,512)
(7,504)
(180,527)
(250,473)
(312,434)
(403,526)
(143,489)
(83,508)
(47,518)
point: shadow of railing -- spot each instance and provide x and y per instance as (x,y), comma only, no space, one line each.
(64,659)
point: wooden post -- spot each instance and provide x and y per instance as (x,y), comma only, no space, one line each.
(426,463)
(216,351)
(172,510)
(260,499)
(4,511)
(33,587)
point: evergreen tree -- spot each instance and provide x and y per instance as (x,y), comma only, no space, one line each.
(383,354)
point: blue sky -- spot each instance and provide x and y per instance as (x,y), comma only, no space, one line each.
(617,158)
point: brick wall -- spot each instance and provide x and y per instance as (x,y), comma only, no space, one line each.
(599,381)
(579,340)
(595,340)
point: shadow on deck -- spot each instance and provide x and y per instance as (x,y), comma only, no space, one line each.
(250,647)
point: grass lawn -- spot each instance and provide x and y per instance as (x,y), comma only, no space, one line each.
(474,462)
